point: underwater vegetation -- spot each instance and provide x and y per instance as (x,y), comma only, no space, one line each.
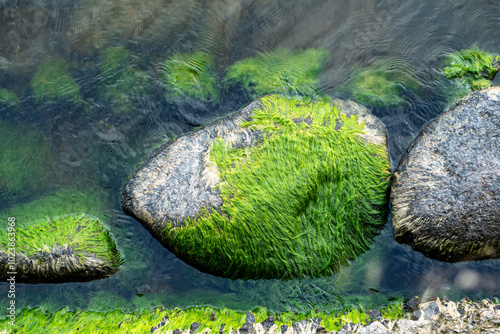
(207,320)
(282,71)
(473,67)
(63,224)
(191,75)
(122,84)
(303,202)
(8,100)
(25,162)
(383,84)
(52,82)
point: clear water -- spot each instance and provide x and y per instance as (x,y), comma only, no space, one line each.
(99,149)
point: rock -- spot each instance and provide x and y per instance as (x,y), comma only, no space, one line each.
(277,190)
(248,326)
(375,328)
(51,246)
(446,189)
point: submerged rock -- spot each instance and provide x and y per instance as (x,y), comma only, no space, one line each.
(283,188)
(41,247)
(446,189)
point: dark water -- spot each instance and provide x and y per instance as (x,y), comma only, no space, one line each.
(97,148)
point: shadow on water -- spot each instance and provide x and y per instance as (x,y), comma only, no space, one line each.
(93,145)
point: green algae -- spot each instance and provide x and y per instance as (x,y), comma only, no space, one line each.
(282,71)
(393,311)
(25,162)
(210,320)
(304,202)
(122,84)
(474,67)
(84,234)
(191,75)
(8,99)
(52,82)
(64,219)
(383,84)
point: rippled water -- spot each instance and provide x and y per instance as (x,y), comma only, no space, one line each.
(97,148)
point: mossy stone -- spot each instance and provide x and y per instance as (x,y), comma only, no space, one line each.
(282,71)
(191,75)
(122,83)
(284,188)
(52,82)
(383,84)
(8,100)
(475,67)
(54,244)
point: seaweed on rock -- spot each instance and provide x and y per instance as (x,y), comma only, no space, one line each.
(191,75)
(122,83)
(303,202)
(8,100)
(52,82)
(282,71)
(383,84)
(474,67)
(194,319)
(56,240)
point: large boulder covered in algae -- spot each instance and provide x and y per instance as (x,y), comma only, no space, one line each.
(446,189)
(283,188)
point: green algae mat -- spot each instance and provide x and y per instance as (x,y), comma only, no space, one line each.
(304,199)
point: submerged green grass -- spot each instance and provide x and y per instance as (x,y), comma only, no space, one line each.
(474,67)
(191,75)
(65,219)
(210,320)
(53,82)
(383,84)
(282,71)
(84,234)
(8,99)
(122,83)
(303,202)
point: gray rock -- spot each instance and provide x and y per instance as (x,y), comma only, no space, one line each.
(172,185)
(179,180)
(446,189)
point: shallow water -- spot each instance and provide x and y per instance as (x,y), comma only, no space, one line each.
(97,148)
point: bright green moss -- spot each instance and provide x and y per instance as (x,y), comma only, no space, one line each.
(8,99)
(53,82)
(383,84)
(393,311)
(84,234)
(282,71)
(25,161)
(60,220)
(122,84)
(304,202)
(191,75)
(473,66)
(211,320)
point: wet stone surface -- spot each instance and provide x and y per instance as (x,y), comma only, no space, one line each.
(446,189)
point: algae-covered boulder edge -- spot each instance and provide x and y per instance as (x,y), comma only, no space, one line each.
(445,191)
(283,188)
(49,247)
